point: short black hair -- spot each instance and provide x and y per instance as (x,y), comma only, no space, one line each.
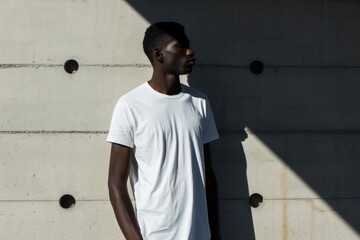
(157,35)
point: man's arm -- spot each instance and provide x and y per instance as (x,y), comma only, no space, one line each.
(120,161)
(211,195)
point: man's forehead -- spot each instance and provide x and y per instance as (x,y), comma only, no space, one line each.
(181,38)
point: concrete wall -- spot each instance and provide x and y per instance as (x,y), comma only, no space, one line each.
(290,133)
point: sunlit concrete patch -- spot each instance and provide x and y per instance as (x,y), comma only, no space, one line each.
(302,165)
(46,166)
(50,32)
(311,219)
(47,220)
(267,173)
(305,181)
(51,99)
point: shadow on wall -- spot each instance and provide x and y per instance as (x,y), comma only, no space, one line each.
(229,163)
(304,106)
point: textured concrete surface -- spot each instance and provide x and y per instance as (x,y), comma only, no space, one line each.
(46,219)
(51,99)
(51,32)
(290,133)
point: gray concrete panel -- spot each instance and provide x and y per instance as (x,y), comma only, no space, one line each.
(292,166)
(48,98)
(47,166)
(237,31)
(311,219)
(301,114)
(287,219)
(47,220)
(51,32)
(287,33)
(282,98)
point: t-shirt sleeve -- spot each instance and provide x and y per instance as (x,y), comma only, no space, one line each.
(121,127)
(210,131)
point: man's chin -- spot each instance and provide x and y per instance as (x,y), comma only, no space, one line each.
(186,71)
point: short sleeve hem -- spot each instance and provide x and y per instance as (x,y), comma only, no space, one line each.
(124,142)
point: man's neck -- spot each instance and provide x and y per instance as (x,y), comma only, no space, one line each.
(168,84)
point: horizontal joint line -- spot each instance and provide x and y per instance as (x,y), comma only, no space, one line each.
(290,131)
(135,65)
(54,200)
(291,199)
(52,132)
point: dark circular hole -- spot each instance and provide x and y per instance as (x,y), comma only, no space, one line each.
(71,66)
(256,67)
(255,200)
(67,201)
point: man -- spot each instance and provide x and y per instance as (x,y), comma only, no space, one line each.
(159,134)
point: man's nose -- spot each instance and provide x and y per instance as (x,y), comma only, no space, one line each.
(190,52)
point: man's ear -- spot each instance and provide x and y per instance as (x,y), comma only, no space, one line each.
(158,55)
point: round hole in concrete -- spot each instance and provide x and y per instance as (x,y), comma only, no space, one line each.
(71,66)
(67,201)
(255,200)
(256,67)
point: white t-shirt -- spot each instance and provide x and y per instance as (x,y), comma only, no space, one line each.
(167,133)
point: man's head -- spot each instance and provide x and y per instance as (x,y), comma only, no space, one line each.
(166,43)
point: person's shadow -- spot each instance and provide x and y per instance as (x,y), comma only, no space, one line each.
(229,163)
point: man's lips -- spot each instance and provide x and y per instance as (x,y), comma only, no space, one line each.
(191,61)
